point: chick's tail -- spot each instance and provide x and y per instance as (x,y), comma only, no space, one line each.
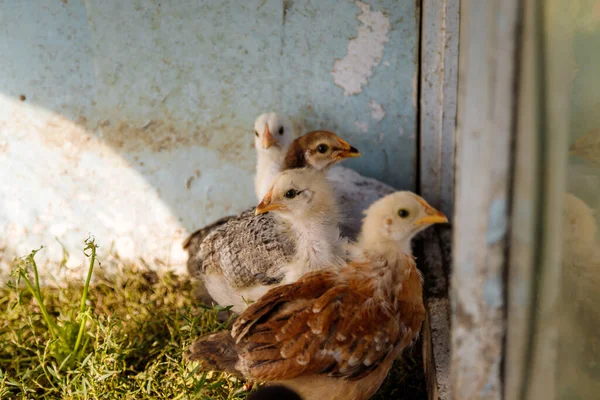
(216,352)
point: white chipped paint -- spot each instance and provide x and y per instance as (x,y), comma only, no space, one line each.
(362,126)
(377,110)
(139,132)
(66,184)
(364,52)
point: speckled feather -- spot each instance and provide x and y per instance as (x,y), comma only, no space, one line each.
(355,194)
(339,324)
(247,253)
(193,242)
(247,250)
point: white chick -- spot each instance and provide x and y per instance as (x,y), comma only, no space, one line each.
(273,134)
(386,226)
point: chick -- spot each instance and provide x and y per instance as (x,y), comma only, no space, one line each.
(247,256)
(273,135)
(334,333)
(581,257)
(580,300)
(580,241)
(318,150)
(263,248)
(354,191)
(400,226)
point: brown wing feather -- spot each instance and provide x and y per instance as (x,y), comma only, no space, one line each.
(328,323)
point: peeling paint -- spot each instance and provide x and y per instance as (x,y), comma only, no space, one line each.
(492,291)
(362,126)
(377,111)
(498,221)
(132,121)
(62,181)
(364,52)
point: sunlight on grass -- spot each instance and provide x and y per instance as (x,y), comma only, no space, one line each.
(120,337)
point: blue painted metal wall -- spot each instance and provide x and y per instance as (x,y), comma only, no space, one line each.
(132,120)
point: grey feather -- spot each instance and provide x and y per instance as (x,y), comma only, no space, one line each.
(248,250)
(355,193)
(193,242)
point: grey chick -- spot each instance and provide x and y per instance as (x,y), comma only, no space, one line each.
(246,257)
(319,150)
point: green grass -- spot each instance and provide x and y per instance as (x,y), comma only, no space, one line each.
(121,336)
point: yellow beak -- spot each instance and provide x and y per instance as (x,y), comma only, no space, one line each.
(266,205)
(347,151)
(268,140)
(433,217)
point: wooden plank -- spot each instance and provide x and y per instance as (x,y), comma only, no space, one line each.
(439,78)
(483,160)
(434,261)
(438,90)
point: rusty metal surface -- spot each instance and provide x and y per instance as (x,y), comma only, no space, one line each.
(132,120)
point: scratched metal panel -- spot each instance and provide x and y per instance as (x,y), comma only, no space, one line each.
(131,120)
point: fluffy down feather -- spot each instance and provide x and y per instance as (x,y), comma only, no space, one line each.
(250,254)
(334,333)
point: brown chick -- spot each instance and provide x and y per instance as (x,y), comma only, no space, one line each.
(335,333)
(318,150)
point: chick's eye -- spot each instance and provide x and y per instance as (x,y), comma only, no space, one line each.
(256,133)
(290,194)
(322,148)
(403,213)
(281,130)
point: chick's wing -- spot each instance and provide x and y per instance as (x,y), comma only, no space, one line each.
(247,250)
(327,323)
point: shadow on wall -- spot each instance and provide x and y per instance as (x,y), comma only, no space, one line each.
(133,121)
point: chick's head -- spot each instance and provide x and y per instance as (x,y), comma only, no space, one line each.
(318,150)
(273,132)
(297,194)
(397,218)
